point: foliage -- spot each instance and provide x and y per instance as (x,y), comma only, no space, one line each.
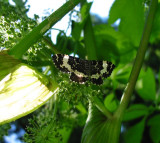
(66,110)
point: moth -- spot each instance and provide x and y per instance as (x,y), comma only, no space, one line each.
(81,70)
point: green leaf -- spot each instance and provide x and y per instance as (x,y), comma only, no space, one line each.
(146,86)
(65,132)
(110,102)
(155,120)
(123,73)
(99,129)
(135,133)
(131,14)
(85,10)
(22,91)
(154,124)
(76,30)
(78,26)
(155,133)
(135,111)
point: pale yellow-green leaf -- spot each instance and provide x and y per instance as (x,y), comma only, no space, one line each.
(22,91)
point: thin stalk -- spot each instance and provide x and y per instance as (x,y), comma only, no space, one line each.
(138,61)
(100,106)
(51,45)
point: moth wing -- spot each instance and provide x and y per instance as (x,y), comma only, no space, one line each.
(60,61)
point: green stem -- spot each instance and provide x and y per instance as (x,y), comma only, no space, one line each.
(138,61)
(51,45)
(32,37)
(100,106)
(55,106)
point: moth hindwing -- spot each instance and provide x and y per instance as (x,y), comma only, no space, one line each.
(83,70)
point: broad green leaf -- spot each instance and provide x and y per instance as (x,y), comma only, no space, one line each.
(112,44)
(146,86)
(22,91)
(154,124)
(110,102)
(135,133)
(135,111)
(131,15)
(99,129)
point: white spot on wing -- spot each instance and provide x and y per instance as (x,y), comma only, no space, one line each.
(96,76)
(66,65)
(104,70)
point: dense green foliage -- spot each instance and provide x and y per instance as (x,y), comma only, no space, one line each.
(85,113)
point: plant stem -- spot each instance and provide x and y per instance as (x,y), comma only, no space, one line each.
(138,61)
(32,37)
(100,106)
(51,45)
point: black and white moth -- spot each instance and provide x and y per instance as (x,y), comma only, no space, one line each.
(83,70)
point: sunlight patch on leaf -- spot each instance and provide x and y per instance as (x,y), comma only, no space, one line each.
(23,91)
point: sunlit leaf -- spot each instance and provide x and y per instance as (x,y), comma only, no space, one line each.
(22,91)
